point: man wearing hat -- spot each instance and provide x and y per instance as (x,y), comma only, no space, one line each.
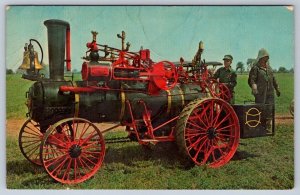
(261,79)
(227,75)
(263,83)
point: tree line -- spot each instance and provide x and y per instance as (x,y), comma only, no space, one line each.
(241,67)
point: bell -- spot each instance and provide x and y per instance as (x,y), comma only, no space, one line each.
(37,64)
(26,61)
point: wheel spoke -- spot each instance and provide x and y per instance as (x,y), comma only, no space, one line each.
(30,140)
(66,172)
(223,120)
(193,145)
(32,151)
(223,128)
(92,152)
(203,113)
(89,145)
(75,168)
(73,128)
(221,138)
(201,121)
(31,143)
(33,128)
(63,132)
(84,164)
(217,116)
(213,156)
(59,167)
(62,144)
(86,157)
(84,131)
(226,135)
(54,160)
(221,151)
(88,138)
(29,137)
(211,113)
(195,125)
(207,154)
(199,150)
(195,133)
(34,134)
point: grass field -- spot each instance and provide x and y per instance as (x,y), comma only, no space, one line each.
(259,163)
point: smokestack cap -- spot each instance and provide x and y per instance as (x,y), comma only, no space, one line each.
(56,22)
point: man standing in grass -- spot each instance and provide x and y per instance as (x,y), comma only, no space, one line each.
(227,75)
(262,82)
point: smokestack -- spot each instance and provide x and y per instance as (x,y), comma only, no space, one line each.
(56,47)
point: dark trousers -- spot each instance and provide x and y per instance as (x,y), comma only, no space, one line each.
(261,99)
(268,113)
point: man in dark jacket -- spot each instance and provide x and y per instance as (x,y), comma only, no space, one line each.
(262,81)
(227,75)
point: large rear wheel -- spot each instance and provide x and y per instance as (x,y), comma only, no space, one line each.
(208,132)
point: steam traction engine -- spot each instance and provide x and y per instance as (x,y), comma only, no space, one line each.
(155,101)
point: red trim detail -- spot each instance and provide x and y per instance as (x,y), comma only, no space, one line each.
(68,49)
(77,89)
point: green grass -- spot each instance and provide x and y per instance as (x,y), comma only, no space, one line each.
(16,88)
(260,163)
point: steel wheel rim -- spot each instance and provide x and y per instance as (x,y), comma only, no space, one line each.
(211,133)
(30,139)
(76,154)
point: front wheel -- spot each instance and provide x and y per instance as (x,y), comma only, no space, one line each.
(30,138)
(208,132)
(72,150)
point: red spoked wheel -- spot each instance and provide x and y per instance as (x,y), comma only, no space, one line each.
(30,138)
(208,132)
(219,90)
(72,150)
(164,75)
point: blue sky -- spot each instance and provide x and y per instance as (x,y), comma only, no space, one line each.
(170,32)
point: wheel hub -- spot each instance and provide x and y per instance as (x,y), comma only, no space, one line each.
(75,151)
(211,133)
